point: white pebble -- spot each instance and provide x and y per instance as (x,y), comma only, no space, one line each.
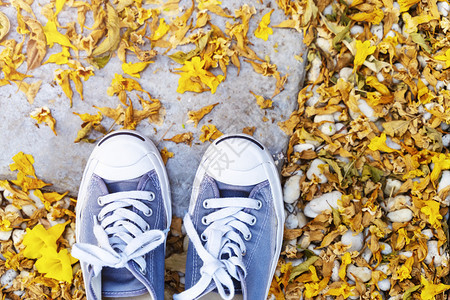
(377,30)
(391,144)
(406,254)
(423,61)
(303,147)
(345,73)
(13,209)
(28,210)
(345,160)
(335,271)
(380,77)
(445,126)
(443,8)
(362,273)
(328,127)
(339,126)
(366,255)
(384,285)
(336,116)
(328,10)
(356,29)
(7,278)
(304,241)
(185,243)
(322,203)
(398,202)
(36,199)
(400,216)
(396,6)
(392,186)
(291,222)
(314,98)
(314,72)
(8,196)
(386,249)
(5,235)
(69,235)
(302,221)
(433,252)
(446,140)
(428,233)
(291,190)
(314,170)
(391,33)
(323,44)
(384,268)
(444,182)
(293,242)
(439,86)
(356,240)
(367,110)
(17,237)
(312,247)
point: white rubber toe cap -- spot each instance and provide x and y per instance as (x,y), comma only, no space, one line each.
(237,160)
(124,155)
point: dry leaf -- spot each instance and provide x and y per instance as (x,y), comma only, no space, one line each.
(165,155)
(249,130)
(197,115)
(4,25)
(263,103)
(43,114)
(209,132)
(30,90)
(112,40)
(186,138)
(37,45)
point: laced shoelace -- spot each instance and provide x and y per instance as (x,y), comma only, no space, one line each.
(224,245)
(122,234)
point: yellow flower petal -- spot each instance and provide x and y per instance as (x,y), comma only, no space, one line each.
(263,31)
(362,51)
(379,144)
(430,290)
(56,265)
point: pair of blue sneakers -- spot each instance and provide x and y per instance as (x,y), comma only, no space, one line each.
(235,220)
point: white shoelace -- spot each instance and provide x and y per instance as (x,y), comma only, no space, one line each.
(224,246)
(122,234)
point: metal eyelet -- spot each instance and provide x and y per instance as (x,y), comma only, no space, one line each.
(99,201)
(152,197)
(248,237)
(147,227)
(148,213)
(253,221)
(100,218)
(205,204)
(205,221)
(203,237)
(260,204)
(244,252)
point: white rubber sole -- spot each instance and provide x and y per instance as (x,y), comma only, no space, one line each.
(275,184)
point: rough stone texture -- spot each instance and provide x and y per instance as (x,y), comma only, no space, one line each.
(61,162)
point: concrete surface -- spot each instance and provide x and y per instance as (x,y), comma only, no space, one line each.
(61,162)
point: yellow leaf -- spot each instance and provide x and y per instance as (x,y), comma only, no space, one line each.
(429,289)
(162,29)
(166,154)
(263,103)
(60,58)
(263,31)
(343,290)
(38,239)
(441,162)
(373,82)
(23,163)
(112,40)
(134,69)
(379,144)
(4,25)
(431,209)
(405,5)
(195,78)
(89,122)
(186,138)
(56,265)
(43,114)
(374,17)
(404,272)
(30,90)
(59,5)
(197,115)
(346,260)
(53,36)
(362,51)
(445,58)
(209,132)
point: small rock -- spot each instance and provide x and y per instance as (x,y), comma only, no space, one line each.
(314,72)
(304,241)
(377,30)
(433,252)
(386,249)
(312,247)
(335,271)
(362,273)
(356,29)
(367,110)
(314,170)
(428,233)
(356,240)
(443,8)
(302,221)
(323,44)
(5,235)
(303,147)
(400,216)
(392,186)
(444,182)
(291,190)
(446,140)
(322,203)
(398,202)
(346,73)
(384,285)
(17,237)
(328,10)
(314,98)
(291,221)
(7,278)
(406,254)
(13,209)
(390,143)
(423,61)
(367,255)
(69,235)
(380,77)
(328,127)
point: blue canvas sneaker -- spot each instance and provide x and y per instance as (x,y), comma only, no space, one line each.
(123,214)
(235,222)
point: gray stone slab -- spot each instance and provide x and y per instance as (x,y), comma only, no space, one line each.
(61,162)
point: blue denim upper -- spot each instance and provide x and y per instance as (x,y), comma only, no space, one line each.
(260,248)
(129,281)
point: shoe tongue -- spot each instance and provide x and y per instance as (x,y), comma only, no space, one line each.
(123,185)
(228,190)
